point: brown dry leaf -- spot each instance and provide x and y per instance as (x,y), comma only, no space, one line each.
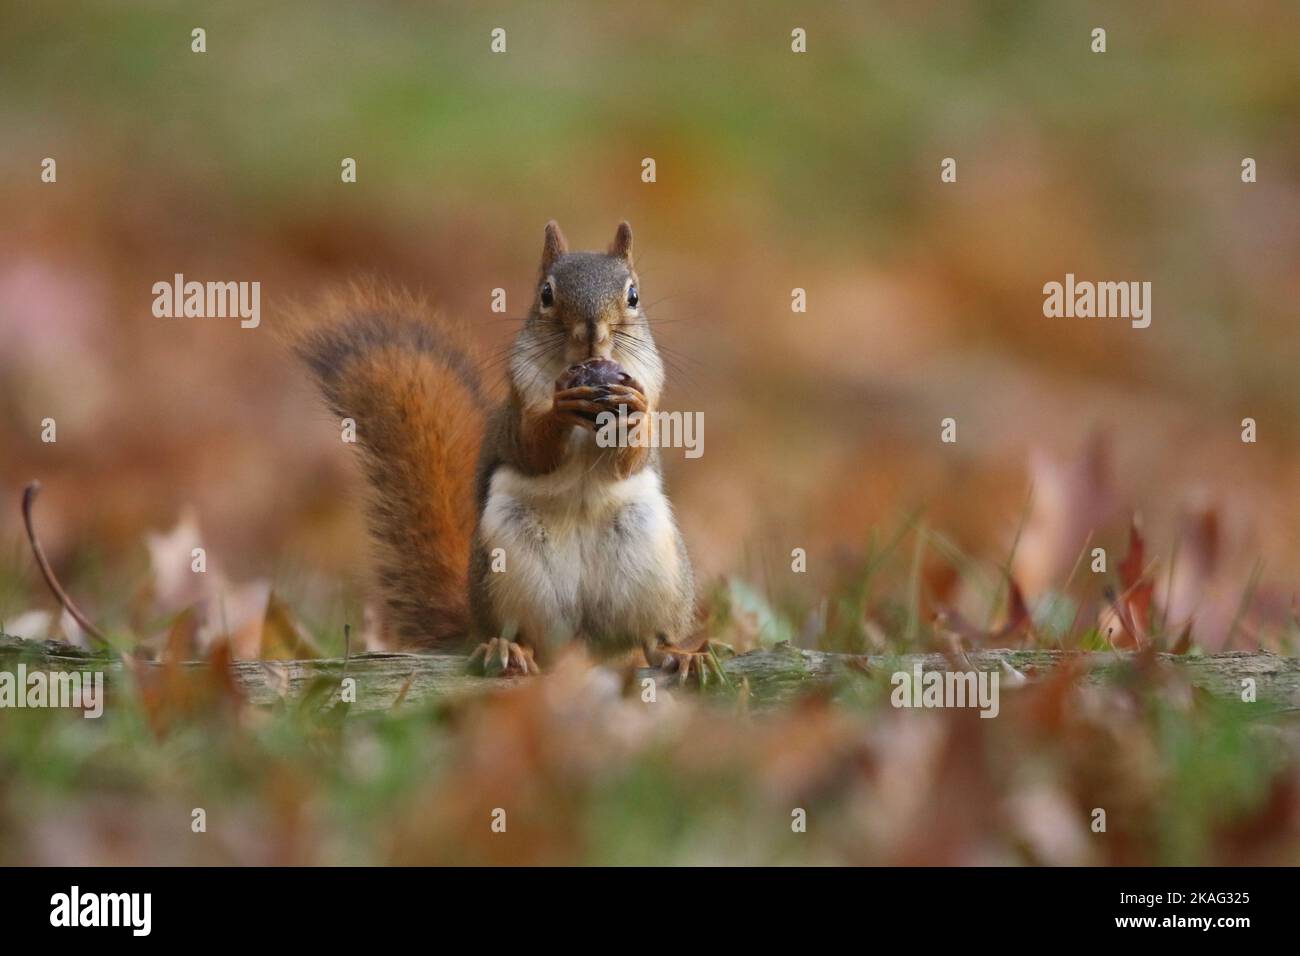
(1070,500)
(175,586)
(1052,700)
(1125,623)
(1018,617)
(1018,622)
(1130,569)
(1205,584)
(170,691)
(282,638)
(220,676)
(181,642)
(1138,584)
(223,611)
(1200,549)
(1116,625)
(237,614)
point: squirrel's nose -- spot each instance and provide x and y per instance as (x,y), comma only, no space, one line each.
(597,334)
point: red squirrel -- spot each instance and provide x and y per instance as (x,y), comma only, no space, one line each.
(550,537)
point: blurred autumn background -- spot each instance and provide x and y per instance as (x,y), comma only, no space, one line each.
(774,171)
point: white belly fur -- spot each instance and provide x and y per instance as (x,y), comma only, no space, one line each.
(586,555)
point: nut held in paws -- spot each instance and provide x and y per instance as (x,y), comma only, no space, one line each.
(597,371)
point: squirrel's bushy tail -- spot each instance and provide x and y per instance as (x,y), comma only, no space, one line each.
(412,387)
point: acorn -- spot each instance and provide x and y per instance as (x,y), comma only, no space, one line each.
(593,372)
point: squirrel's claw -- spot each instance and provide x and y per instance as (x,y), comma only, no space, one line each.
(501,658)
(629,395)
(581,404)
(679,661)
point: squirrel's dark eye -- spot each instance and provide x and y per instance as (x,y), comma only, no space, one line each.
(548,295)
(632,297)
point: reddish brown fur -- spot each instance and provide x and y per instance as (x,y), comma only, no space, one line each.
(412,387)
(535,443)
(629,459)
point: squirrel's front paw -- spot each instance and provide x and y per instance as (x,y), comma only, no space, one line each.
(582,404)
(501,658)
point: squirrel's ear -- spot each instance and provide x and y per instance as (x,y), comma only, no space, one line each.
(553,247)
(622,244)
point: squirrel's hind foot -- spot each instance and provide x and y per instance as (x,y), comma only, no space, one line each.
(682,663)
(502,658)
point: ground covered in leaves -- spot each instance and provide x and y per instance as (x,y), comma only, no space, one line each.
(578,767)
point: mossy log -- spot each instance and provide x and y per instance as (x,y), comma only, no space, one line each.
(771,676)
